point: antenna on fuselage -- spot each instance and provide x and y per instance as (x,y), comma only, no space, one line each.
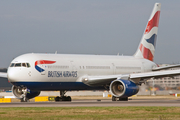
(56,52)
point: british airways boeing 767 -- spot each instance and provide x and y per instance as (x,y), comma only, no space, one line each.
(121,75)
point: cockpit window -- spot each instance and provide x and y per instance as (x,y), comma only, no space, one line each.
(17,65)
(12,65)
(20,65)
(28,65)
(23,64)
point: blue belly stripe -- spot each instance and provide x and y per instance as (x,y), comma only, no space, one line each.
(48,86)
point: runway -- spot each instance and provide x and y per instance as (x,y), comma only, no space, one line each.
(97,103)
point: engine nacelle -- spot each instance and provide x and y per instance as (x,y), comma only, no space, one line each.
(19,92)
(123,88)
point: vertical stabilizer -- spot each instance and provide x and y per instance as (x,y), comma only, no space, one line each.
(146,47)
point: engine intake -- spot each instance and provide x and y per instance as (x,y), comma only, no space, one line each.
(19,92)
(123,88)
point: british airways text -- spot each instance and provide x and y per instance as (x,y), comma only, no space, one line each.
(62,73)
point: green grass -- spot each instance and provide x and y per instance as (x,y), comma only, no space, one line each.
(90,113)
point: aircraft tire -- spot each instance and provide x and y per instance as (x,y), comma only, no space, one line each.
(113,98)
(68,98)
(57,99)
(64,98)
(24,100)
(123,99)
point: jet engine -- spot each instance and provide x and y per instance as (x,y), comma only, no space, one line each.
(23,92)
(123,88)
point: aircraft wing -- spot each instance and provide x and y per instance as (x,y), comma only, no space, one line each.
(135,77)
(156,74)
(2,74)
(165,67)
(99,80)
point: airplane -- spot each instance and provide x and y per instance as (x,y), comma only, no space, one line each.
(121,75)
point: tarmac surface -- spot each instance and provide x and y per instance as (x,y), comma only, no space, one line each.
(98,103)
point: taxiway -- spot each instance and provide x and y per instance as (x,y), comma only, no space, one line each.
(97,103)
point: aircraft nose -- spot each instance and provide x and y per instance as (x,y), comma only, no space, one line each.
(12,75)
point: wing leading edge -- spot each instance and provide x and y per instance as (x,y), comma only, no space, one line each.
(99,80)
(165,67)
(135,77)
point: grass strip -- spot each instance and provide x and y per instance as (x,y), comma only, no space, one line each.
(90,113)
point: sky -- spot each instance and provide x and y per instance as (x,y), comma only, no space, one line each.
(100,27)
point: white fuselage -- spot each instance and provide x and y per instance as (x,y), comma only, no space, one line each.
(69,68)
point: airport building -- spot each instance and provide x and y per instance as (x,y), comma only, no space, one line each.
(166,83)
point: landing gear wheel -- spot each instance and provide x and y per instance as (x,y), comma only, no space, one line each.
(64,98)
(123,99)
(68,98)
(57,99)
(113,98)
(24,100)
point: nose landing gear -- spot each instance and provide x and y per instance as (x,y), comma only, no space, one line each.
(24,94)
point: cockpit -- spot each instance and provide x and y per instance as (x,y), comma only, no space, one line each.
(20,65)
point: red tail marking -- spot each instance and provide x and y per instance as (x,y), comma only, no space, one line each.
(153,22)
(146,53)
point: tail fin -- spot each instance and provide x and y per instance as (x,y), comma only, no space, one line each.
(146,47)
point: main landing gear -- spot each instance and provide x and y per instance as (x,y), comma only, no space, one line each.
(62,97)
(120,99)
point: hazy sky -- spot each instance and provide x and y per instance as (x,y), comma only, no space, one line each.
(105,27)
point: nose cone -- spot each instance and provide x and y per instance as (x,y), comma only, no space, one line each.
(12,75)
